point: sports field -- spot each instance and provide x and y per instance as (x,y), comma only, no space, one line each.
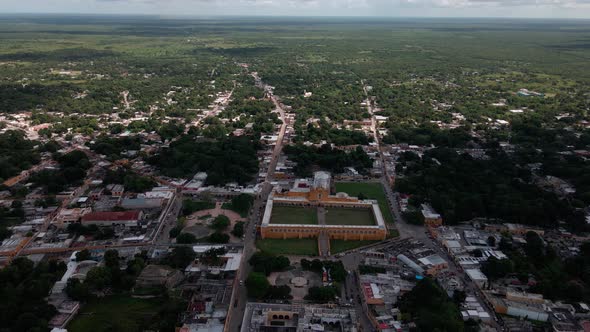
(293,215)
(340,216)
(372,190)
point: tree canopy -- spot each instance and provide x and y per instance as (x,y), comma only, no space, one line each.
(23,288)
(430,308)
(228,159)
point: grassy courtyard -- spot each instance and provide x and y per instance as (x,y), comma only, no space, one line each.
(341,216)
(293,215)
(372,190)
(338,246)
(117,313)
(303,247)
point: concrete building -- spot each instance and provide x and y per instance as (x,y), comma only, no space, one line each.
(116,190)
(296,318)
(380,293)
(525,297)
(208,306)
(125,218)
(431,218)
(514,229)
(434,264)
(158,275)
(411,264)
(477,277)
(533,311)
(226,264)
(141,203)
(473,309)
(68,216)
(95,194)
(75,270)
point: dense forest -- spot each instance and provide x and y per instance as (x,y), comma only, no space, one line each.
(71,171)
(23,288)
(229,159)
(16,154)
(539,266)
(462,188)
(431,309)
(309,159)
(113,147)
(428,134)
(130,180)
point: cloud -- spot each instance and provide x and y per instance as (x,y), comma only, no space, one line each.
(497,3)
(452,8)
(369,3)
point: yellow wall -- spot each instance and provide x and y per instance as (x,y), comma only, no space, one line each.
(336,233)
(321,197)
(317,195)
(433,222)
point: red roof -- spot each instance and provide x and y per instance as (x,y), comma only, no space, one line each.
(368,290)
(111,216)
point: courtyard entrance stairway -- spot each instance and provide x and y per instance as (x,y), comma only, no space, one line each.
(324,244)
(323,237)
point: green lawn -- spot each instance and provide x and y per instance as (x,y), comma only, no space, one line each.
(337,246)
(303,247)
(372,190)
(116,313)
(340,216)
(293,215)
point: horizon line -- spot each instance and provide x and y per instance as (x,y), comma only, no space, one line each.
(213,16)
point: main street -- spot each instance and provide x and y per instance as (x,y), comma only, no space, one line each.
(240,297)
(168,221)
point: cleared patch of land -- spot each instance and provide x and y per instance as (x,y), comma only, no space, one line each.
(304,247)
(371,190)
(293,215)
(341,216)
(116,313)
(338,246)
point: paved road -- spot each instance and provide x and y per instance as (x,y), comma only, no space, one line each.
(240,299)
(279,145)
(355,295)
(169,221)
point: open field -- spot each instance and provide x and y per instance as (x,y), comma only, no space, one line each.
(304,247)
(372,190)
(293,215)
(338,246)
(116,313)
(340,216)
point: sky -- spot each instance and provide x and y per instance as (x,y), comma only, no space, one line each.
(381,8)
